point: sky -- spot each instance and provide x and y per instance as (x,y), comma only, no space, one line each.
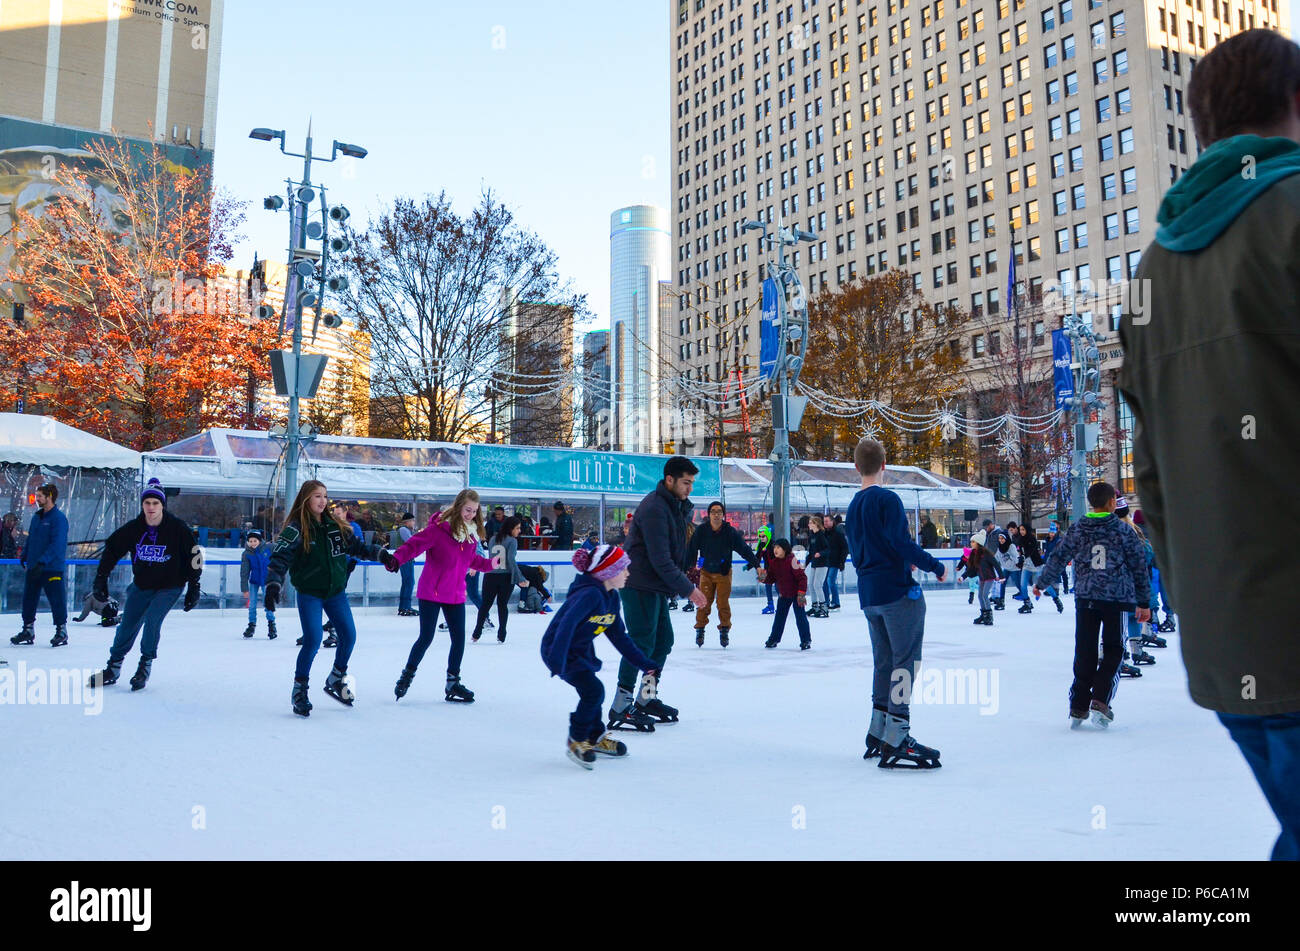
(561,108)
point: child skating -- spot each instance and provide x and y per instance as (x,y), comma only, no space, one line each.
(1110,578)
(253,568)
(780,568)
(591,608)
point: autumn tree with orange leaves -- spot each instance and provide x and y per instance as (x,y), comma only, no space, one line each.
(877,338)
(130,331)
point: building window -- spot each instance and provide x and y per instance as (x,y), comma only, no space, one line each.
(1131,225)
(1111,223)
(1125,141)
(1124,423)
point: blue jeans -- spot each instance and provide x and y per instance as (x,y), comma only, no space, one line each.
(768,589)
(586,723)
(147,608)
(471,590)
(407,571)
(455,614)
(51,582)
(310,609)
(830,588)
(1271,746)
(254,599)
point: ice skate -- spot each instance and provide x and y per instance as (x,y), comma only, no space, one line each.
(724,636)
(630,718)
(336,686)
(1060,608)
(1078,717)
(60,638)
(658,710)
(142,674)
(456,692)
(581,753)
(26,636)
(1128,670)
(250,630)
(771,642)
(1026,608)
(699,637)
(301,705)
(330,641)
(404,682)
(1102,715)
(768,610)
(270,629)
(106,677)
(608,746)
(1167,625)
(1143,658)
(908,754)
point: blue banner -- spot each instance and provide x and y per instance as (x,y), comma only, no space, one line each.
(769,341)
(1062,375)
(548,472)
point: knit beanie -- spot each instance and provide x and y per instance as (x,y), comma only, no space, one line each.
(154,490)
(606,562)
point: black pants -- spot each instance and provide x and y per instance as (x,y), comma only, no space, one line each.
(495,588)
(585,723)
(783,606)
(455,615)
(1094,679)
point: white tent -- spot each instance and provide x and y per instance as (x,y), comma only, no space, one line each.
(42,441)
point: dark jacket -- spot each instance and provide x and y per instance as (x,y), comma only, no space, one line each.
(1110,563)
(839,547)
(588,611)
(47,542)
(253,567)
(1029,550)
(716,547)
(656,543)
(789,578)
(161,558)
(882,550)
(323,571)
(1212,375)
(819,549)
(929,535)
(563,532)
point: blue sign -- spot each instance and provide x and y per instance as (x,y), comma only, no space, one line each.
(1062,375)
(553,472)
(769,341)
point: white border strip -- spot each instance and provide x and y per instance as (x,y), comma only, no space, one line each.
(112,11)
(164,81)
(54,38)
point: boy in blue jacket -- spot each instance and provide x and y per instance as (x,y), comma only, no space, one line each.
(45,557)
(591,608)
(253,568)
(883,554)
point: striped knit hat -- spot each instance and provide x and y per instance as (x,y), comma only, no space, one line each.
(154,490)
(606,562)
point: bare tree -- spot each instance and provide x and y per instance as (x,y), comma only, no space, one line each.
(450,304)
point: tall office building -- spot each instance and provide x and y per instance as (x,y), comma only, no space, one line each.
(595,389)
(534,410)
(915,135)
(638,263)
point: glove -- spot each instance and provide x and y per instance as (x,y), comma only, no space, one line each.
(100,589)
(191,596)
(389,560)
(272,596)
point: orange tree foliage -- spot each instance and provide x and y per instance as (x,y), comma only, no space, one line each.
(877,338)
(126,335)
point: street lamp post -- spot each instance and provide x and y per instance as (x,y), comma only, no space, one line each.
(1086,365)
(301,195)
(792,320)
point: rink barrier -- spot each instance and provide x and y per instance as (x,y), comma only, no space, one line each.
(372,585)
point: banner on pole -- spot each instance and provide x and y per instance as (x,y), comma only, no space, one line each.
(769,330)
(1062,375)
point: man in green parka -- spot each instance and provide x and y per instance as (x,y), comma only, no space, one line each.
(1211,371)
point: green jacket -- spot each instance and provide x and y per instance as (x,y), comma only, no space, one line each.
(1212,374)
(323,571)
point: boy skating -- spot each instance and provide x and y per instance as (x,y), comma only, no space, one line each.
(883,552)
(1110,578)
(253,568)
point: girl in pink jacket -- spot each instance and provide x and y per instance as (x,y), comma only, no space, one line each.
(448,542)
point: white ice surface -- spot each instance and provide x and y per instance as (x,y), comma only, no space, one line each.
(208,762)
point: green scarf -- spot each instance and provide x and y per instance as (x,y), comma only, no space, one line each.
(1214,191)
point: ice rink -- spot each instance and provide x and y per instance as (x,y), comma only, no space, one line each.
(208,762)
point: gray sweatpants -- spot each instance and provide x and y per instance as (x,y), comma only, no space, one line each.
(896,632)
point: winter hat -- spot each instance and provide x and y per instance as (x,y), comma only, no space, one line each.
(1121,507)
(606,562)
(256,533)
(979,538)
(765,534)
(406,515)
(154,490)
(1138,518)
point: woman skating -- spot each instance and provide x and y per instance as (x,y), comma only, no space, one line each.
(448,543)
(313,549)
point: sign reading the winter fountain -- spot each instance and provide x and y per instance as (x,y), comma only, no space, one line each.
(552,471)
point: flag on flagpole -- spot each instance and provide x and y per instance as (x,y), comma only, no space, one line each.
(1011,276)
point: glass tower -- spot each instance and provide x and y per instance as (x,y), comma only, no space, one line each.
(638,261)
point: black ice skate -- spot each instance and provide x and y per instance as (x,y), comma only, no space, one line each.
(26,636)
(456,692)
(298,642)
(909,754)
(1128,670)
(771,642)
(301,705)
(404,682)
(331,641)
(1060,608)
(873,747)
(1151,640)
(60,638)
(630,718)
(724,636)
(658,710)
(986,617)
(270,629)
(336,686)
(699,637)
(142,674)
(1026,608)
(970,597)
(106,677)
(250,630)
(1143,658)
(1167,625)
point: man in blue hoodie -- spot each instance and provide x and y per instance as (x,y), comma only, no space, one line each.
(883,554)
(1212,375)
(45,557)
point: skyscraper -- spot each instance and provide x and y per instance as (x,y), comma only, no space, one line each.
(595,389)
(638,262)
(917,135)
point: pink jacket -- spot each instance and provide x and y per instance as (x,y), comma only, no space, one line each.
(446,562)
